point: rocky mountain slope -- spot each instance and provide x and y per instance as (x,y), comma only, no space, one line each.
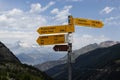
(12,69)
(47,65)
(102,63)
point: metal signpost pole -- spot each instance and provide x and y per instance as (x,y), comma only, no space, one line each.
(69,54)
(69,62)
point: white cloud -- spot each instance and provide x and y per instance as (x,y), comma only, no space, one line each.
(112,21)
(16,19)
(37,8)
(70,0)
(61,15)
(74,0)
(107,10)
(86,39)
(13,36)
(17,34)
(14,12)
(55,11)
(16,24)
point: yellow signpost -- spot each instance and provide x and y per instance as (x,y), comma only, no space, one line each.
(56,29)
(51,39)
(71,20)
(62,38)
(87,22)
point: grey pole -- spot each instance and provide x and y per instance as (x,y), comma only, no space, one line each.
(69,53)
(69,62)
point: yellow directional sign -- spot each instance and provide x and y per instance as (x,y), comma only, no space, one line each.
(70,20)
(87,22)
(56,29)
(51,39)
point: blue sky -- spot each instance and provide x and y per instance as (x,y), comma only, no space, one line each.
(19,19)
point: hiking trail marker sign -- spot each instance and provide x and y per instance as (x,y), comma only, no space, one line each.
(88,23)
(64,38)
(55,29)
(60,48)
(52,39)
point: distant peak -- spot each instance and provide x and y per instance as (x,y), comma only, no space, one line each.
(108,43)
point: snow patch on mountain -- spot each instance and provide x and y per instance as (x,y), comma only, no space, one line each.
(108,43)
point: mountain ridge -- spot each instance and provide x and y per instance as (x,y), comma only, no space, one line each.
(93,65)
(33,52)
(12,69)
(75,54)
(8,55)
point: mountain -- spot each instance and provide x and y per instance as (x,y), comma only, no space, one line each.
(24,58)
(108,43)
(12,69)
(76,53)
(32,53)
(102,63)
(47,65)
(81,51)
(6,54)
(90,47)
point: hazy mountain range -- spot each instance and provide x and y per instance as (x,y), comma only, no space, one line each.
(47,65)
(32,54)
(99,62)
(92,62)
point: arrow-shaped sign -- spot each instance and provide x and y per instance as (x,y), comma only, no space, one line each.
(52,39)
(56,29)
(88,22)
(61,48)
